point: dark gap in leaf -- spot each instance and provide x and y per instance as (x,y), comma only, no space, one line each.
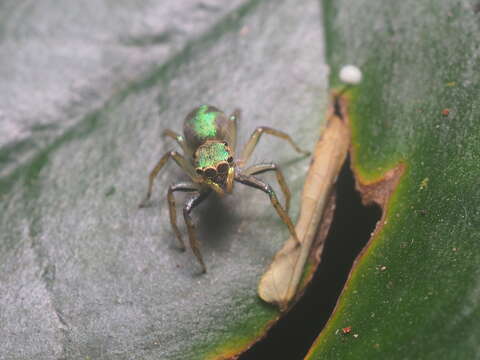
(476,8)
(352,226)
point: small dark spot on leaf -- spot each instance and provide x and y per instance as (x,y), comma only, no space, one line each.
(111,190)
(476,8)
(48,275)
(148,39)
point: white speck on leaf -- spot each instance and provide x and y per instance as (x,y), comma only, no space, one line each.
(350,74)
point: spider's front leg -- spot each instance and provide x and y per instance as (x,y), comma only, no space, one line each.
(189,206)
(252,181)
(264,167)
(185,187)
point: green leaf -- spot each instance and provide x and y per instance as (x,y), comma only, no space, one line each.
(414,293)
(87,89)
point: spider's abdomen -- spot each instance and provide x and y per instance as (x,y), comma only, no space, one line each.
(205,123)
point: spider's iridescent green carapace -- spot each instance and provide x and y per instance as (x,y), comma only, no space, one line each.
(208,144)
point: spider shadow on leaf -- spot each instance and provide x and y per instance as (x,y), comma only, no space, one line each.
(216,222)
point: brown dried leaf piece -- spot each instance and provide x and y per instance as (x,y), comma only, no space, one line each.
(279,283)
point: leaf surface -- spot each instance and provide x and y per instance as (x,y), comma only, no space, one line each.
(87,89)
(413,293)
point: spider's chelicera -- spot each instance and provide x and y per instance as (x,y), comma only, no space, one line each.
(208,144)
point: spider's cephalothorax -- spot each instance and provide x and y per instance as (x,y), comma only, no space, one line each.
(213,160)
(209,144)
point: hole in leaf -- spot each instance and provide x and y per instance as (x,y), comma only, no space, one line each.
(353,223)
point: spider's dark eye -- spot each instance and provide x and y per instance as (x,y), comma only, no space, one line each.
(199,171)
(210,172)
(225,143)
(230,159)
(222,168)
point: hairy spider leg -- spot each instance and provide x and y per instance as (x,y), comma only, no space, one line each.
(189,206)
(184,187)
(179,159)
(252,181)
(179,139)
(255,137)
(264,167)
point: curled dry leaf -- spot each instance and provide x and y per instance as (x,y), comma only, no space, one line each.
(279,283)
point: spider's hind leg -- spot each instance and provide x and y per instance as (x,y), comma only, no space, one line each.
(179,139)
(234,118)
(178,158)
(255,137)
